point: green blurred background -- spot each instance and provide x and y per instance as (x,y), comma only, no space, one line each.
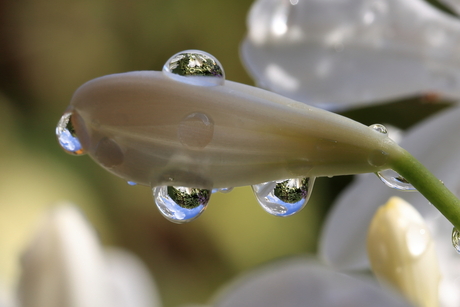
(48,49)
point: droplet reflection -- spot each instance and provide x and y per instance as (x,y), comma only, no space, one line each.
(284,197)
(181,204)
(456,239)
(379,128)
(195,67)
(395,181)
(67,137)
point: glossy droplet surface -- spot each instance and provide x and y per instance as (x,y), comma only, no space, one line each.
(456,239)
(379,128)
(395,181)
(195,67)
(196,130)
(284,197)
(222,190)
(181,204)
(131,183)
(67,137)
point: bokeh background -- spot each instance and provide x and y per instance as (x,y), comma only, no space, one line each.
(48,48)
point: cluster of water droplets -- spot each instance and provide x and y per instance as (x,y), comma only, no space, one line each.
(391,178)
(195,67)
(67,137)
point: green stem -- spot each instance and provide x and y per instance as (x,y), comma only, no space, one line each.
(428,185)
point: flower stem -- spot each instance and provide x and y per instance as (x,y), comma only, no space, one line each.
(428,185)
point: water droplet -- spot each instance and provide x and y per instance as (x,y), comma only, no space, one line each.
(132,183)
(456,239)
(377,158)
(108,153)
(67,137)
(181,204)
(196,130)
(379,128)
(284,197)
(195,67)
(395,181)
(222,190)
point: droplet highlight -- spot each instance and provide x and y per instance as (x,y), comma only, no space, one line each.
(67,137)
(222,190)
(395,181)
(284,197)
(132,183)
(456,239)
(181,204)
(195,67)
(196,130)
(379,128)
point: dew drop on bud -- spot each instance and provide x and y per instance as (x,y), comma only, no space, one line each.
(181,204)
(284,197)
(395,181)
(195,67)
(67,137)
(456,239)
(379,128)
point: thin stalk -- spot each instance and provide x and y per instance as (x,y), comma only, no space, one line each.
(428,185)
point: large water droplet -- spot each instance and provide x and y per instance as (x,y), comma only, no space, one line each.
(195,67)
(196,130)
(181,204)
(284,197)
(395,181)
(379,128)
(67,137)
(456,239)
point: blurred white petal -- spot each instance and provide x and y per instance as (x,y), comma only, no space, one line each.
(402,252)
(339,53)
(132,285)
(303,283)
(435,143)
(453,5)
(64,264)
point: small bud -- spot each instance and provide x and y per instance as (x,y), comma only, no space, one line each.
(402,252)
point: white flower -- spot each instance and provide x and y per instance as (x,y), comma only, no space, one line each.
(304,283)
(65,266)
(435,143)
(337,53)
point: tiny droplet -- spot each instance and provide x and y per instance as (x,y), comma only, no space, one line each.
(181,204)
(67,137)
(456,239)
(284,197)
(393,180)
(196,130)
(132,183)
(379,128)
(195,67)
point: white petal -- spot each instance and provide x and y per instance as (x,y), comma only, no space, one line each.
(453,5)
(64,264)
(340,53)
(132,284)
(435,143)
(303,283)
(402,252)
